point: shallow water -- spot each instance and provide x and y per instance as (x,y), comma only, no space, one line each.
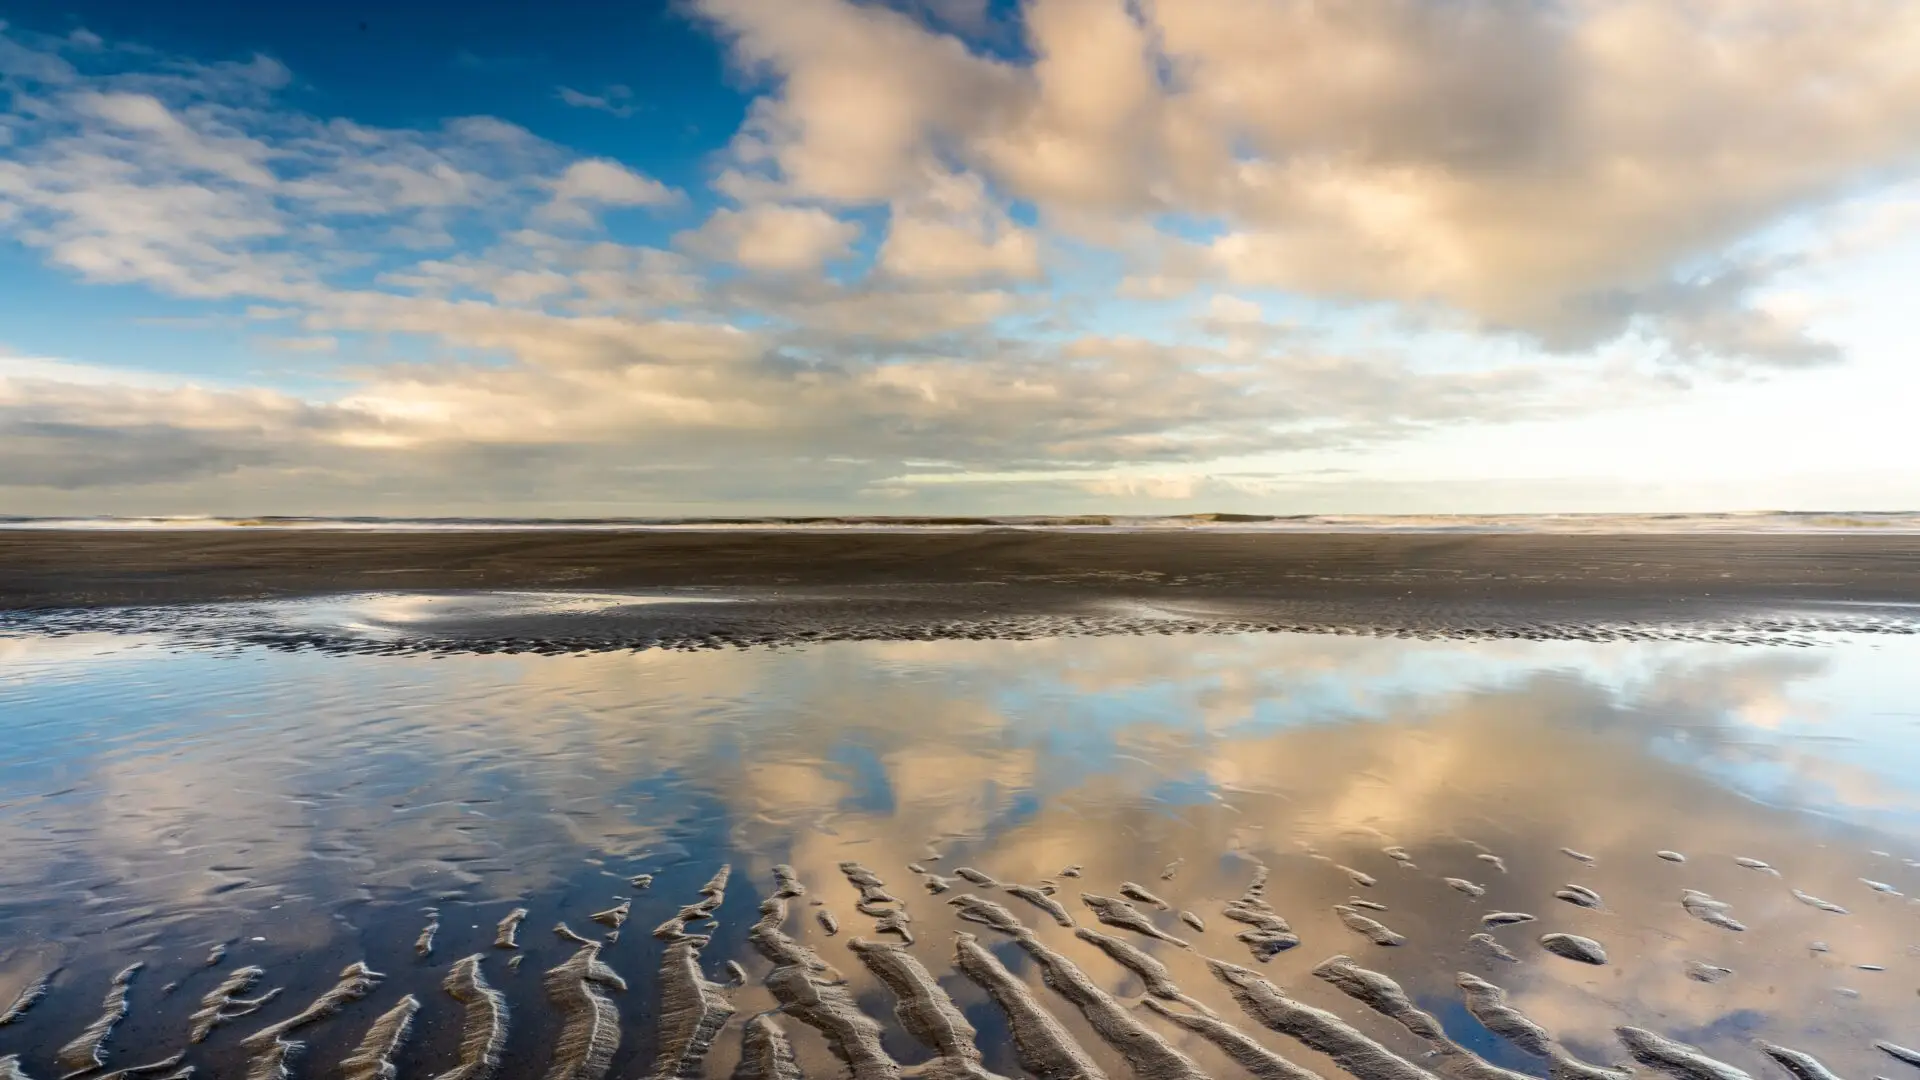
(306,809)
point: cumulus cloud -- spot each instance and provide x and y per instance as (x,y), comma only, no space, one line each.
(771,237)
(918,235)
(862,93)
(1517,162)
(599,182)
(950,230)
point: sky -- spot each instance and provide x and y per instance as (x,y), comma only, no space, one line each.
(958,256)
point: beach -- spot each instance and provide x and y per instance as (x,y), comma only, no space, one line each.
(782,585)
(959,540)
(1215,855)
(975,801)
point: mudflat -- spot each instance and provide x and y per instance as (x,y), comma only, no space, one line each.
(1217,855)
(92,568)
(350,835)
(813,584)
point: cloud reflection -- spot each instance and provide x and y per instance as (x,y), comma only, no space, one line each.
(205,795)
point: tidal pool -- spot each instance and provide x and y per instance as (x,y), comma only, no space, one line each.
(1290,798)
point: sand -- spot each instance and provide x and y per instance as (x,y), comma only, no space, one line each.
(784,586)
(580,1029)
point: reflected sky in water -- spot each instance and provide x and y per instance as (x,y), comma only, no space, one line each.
(306,808)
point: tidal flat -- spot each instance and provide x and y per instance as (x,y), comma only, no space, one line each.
(1274,853)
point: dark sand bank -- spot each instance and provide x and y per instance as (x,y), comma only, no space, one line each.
(786,585)
(84,569)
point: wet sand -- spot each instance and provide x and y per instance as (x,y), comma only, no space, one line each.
(379,908)
(269,854)
(801,585)
(1113,1004)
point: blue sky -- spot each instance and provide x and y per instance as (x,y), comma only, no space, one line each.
(949,256)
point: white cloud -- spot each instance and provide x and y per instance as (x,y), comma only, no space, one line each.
(319,344)
(1512,161)
(1232,309)
(950,230)
(593,392)
(41,369)
(205,149)
(1476,167)
(772,237)
(597,182)
(185,179)
(610,183)
(862,91)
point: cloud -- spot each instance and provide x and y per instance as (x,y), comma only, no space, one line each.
(772,238)
(969,17)
(188,181)
(1051,266)
(950,231)
(1282,745)
(1515,162)
(862,91)
(69,426)
(615,100)
(322,344)
(206,149)
(1716,315)
(598,182)
(585,396)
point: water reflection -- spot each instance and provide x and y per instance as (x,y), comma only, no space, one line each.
(307,808)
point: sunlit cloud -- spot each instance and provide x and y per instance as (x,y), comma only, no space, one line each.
(1092,250)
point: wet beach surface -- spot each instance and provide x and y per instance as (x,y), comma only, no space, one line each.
(1728,826)
(761,587)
